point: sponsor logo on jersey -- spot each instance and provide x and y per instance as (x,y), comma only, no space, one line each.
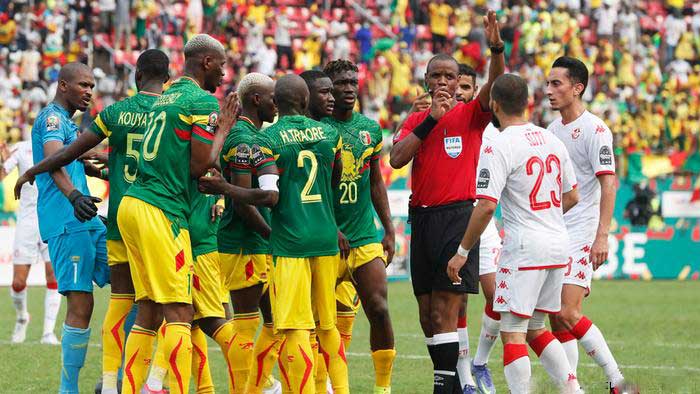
(52,123)
(605,155)
(488,150)
(484,178)
(365,137)
(453,146)
(576,133)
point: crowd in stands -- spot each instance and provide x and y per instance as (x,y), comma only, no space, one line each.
(644,56)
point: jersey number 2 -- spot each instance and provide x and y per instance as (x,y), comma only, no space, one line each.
(306,197)
(548,166)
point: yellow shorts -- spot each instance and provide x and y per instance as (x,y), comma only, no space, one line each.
(358,257)
(346,294)
(303,292)
(245,270)
(116,252)
(160,255)
(206,287)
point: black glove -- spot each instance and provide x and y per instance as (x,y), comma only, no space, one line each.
(84,207)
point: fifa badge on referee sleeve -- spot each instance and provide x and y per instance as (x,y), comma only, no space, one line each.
(453,146)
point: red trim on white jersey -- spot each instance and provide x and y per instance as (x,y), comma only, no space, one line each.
(480,196)
(542,267)
(547,312)
(606,172)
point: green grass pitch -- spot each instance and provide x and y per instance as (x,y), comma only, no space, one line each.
(651,328)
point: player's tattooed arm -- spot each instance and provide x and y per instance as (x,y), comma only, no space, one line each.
(59,157)
(381,205)
(481,216)
(248,213)
(497,64)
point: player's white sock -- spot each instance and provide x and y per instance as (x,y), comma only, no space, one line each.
(553,359)
(490,329)
(156,377)
(570,344)
(52,303)
(19,300)
(593,342)
(516,366)
(463,362)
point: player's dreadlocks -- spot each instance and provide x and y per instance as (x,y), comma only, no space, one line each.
(337,66)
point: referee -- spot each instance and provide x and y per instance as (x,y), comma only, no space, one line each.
(444,143)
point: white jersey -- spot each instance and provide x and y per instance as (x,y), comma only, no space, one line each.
(490,235)
(589,143)
(21,157)
(528,169)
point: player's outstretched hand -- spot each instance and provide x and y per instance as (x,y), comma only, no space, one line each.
(216,212)
(229,112)
(599,252)
(421,103)
(24,178)
(492,30)
(344,246)
(212,183)
(453,266)
(389,245)
(441,103)
(84,207)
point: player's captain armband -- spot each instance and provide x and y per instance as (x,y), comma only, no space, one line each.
(269,182)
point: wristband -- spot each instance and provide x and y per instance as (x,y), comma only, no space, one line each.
(497,50)
(422,130)
(462,252)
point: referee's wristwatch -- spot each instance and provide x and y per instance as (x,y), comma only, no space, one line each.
(462,252)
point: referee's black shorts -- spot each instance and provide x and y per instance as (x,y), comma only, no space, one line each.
(435,236)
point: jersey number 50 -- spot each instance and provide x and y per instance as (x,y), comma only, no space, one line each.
(548,165)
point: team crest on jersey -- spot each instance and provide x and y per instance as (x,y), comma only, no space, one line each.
(576,133)
(484,178)
(605,155)
(242,155)
(453,146)
(52,123)
(212,122)
(365,137)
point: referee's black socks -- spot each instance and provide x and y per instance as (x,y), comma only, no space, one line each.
(444,351)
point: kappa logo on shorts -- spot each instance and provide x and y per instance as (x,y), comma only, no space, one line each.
(500,300)
(52,123)
(504,270)
(484,178)
(365,137)
(605,155)
(586,249)
(453,146)
(502,285)
(583,261)
(581,275)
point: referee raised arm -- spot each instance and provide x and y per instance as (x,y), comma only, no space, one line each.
(444,142)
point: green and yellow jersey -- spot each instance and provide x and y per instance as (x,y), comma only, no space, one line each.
(183,112)
(304,150)
(202,229)
(362,144)
(234,235)
(123,124)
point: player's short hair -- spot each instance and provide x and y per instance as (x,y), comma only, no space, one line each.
(576,69)
(440,57)
(338,66)
(466,70)
(311,76)
(510,92)
(250,82)
(154,64)
(202,44)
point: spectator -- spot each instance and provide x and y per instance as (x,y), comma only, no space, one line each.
(440,13)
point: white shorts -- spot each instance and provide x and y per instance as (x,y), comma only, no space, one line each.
(28,247)
(524,292)
(580,270)
(489,250)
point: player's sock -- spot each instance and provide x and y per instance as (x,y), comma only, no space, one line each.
(570,344)
(240,353)
(333,350)
(200,362)
(19,300)
(445,354)
(299,362)
(431,348)
(594,344)
(345,322)
(178,353)
(137,356)
(265,353)
(74,344)
(320,371)
(553,359)
(113,338)
(128,323)
(463,363)
(490,328)
(160,366)
(223,336)
(516,366)
(282,363)
(52,303)
(383,360)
